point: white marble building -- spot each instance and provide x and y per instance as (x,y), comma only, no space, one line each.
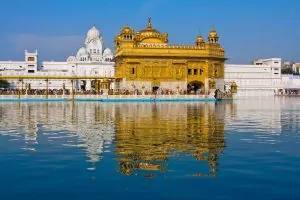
(262,78)
(93,59)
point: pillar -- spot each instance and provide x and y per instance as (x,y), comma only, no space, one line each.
(114,87)
(19,92)
(22,87)
(88,85)
(96,86)
(46,88)
(72,91)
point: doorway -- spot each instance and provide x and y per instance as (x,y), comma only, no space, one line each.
(195,87)
(155,89)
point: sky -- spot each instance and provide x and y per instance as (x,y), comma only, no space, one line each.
(248,29)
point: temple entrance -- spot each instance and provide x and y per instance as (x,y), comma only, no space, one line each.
(93,84)
(195,87)
(155,89)
(83,85)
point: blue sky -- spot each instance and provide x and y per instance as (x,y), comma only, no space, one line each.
(248,29)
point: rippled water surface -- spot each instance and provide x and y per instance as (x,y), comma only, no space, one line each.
(246,149)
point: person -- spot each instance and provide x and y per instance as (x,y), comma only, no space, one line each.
(217,91)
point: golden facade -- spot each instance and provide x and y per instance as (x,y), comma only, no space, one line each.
(145,59)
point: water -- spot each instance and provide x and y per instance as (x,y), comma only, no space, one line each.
(247,149)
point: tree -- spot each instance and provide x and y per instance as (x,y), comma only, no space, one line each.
(287,71)
(4,84)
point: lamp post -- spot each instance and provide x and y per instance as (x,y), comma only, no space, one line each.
(26,88)
(133,86)
(64,87)
(177,90)
(19,87)
(143,89)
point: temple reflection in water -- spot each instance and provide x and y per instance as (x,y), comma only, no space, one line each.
(147,135)
(143,136)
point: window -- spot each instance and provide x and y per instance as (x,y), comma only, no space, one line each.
(189,71)
(276,69)
(30,71)
(30,59)
(275,73)
(195,71)
(132,70)
(276,62)
(201,71)
(30,65)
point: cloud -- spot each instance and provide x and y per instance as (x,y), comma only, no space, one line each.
(49,47)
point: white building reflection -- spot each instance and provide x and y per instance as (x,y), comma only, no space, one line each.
(262,114)
(84,125)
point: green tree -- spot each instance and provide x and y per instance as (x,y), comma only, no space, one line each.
(287,71)
(4,84)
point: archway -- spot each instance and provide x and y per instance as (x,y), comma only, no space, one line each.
(93,84)
(195,87)
(83,85)
(154,89)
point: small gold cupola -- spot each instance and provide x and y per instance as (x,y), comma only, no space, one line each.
(213,36)
(127,33)
(199,40)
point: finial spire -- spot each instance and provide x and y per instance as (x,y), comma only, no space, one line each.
(213,28)
(149,23)
(199,32)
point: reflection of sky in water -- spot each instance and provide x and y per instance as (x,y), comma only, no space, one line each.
(232,145)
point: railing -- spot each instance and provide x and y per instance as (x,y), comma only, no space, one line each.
(105,97)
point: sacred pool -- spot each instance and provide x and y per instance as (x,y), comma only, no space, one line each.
(243,149)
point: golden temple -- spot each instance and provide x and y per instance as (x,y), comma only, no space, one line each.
(145,60)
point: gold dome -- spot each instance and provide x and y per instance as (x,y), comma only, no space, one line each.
(213,33)
(151,35)
(127,30)
(200,39)
(149,28)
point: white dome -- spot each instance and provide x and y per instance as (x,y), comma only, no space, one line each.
(107,52)
(81,52)
(71,59)
(93,33)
